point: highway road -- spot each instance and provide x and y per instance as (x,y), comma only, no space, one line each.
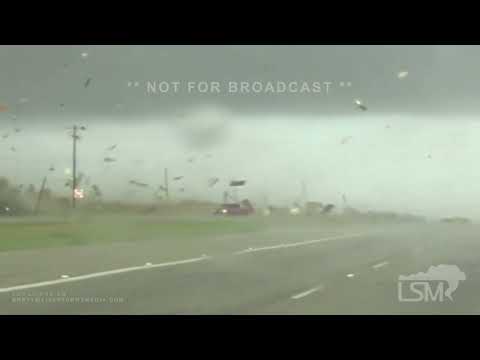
(304,273)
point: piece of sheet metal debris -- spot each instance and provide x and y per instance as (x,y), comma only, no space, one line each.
(345,140)
(238,182)
(360,105)
(137,183)
(213,181)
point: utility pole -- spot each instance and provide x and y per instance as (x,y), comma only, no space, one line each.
(75,138)
(166,183)
(74,165)
(37,205)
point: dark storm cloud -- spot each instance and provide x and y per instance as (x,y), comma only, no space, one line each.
(53,78)
(394,155)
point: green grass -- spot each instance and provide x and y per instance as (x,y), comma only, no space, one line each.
(175,234)
(108,229)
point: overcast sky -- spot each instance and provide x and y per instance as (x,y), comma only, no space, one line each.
(415,149)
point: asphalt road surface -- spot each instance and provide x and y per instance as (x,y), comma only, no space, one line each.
(356,273)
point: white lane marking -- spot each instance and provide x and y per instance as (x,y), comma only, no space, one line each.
(99,274)
(308,292)
(382,264)
(350,275)
(283,246)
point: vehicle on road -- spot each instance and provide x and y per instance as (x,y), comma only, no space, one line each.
(242,208)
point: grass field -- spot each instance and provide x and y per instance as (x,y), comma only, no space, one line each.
(174,233)
(119,228)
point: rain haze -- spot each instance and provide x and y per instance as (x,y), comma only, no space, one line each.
(239,180)
(412,151)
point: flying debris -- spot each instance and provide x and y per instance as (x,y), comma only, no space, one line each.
(4,136)
(83,128)
(191,160)
(13,149)
(328,208)
(87,82)
(109,160)
(96,190)
(213,181)
(429,156)
(360,105)
(111,148)
(237,182)
(136,183)
(402,74)
(295,210)
(178,178)
(52,168)
(346,139)
(17,130)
